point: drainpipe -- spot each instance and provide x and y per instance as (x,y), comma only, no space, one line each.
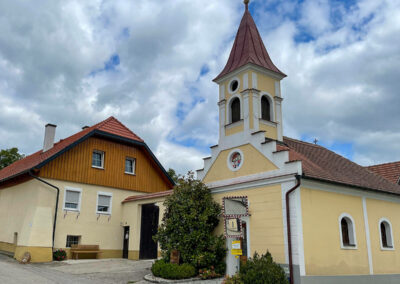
(55,213)
(289,234)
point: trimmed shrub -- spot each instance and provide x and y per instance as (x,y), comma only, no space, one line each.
(262,270)
(59,255)
(174,271)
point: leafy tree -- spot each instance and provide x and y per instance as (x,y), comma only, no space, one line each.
(9,156)
(188,223)
(172,173)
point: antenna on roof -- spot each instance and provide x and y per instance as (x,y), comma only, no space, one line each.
(315,141)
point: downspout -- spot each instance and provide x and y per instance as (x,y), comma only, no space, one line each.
(55,213)
(289,234)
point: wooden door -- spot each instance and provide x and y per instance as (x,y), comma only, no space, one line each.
(125,249)
(149,227)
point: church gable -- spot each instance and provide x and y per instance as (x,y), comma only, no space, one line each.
(242,161)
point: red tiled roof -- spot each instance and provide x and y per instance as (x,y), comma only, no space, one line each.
(390,171)
(111,125)
(248,48)
(321,163)
(148,196)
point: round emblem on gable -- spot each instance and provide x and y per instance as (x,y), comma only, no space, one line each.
(235,160)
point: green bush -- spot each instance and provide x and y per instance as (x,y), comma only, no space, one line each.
(59,255)
(190,217)
(174,271)
(235,279)
(262,270)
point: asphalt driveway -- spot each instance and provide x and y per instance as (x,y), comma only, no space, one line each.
(75,271)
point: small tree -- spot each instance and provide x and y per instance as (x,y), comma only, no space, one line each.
(188,223)
(9,156)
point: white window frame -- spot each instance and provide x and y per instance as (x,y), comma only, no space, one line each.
(102,159)
(390,235)
(133,167)
(230,83)
(271,106)
(97,202)
(67,188)
(229,111)
(352,232)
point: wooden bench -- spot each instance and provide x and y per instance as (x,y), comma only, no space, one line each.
(85,249)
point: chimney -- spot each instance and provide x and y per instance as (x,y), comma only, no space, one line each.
(49,135)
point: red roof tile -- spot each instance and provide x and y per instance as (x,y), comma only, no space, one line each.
(248,48)
(321,163)
(111,126)
(148,196)
(390,171)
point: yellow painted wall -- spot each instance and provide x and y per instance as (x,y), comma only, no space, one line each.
(25,210)
(254,162)
(270,131)
(384,260)
(265,222)
(131,216)
(235,129)
(94,229)
(264,83)
(321,233)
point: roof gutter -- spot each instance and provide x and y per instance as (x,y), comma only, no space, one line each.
(289,233)
(56,209)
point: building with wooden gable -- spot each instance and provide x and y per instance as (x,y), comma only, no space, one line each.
(71,192)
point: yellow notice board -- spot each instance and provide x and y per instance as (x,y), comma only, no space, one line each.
(236,252)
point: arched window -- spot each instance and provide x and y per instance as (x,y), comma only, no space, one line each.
(235,110)
(347,232)
(386,234)
(265,109)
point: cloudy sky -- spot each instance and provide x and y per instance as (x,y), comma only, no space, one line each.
(150,64)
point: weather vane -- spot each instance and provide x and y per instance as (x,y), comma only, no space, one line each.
(315,141)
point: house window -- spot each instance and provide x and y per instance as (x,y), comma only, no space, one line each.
(104,201)
(235,110)
(385,229)
(72,199)
(72,240)
(265,108)
(98,159)
(130,165)
(347,232)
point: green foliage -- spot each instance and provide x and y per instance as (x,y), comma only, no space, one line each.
(262,270)
(175,177)
(188,223)
(59,255)
(167,270)
(9,156)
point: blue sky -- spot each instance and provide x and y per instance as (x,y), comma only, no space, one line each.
(151,65)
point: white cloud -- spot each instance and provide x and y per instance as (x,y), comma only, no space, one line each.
(343,86)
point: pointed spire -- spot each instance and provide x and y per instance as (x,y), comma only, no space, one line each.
(248,48)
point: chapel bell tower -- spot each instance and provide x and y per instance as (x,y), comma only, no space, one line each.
(249,87)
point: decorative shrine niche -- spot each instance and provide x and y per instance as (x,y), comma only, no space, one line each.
(233,209)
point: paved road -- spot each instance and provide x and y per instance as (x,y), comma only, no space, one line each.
(85,272)
(103,271)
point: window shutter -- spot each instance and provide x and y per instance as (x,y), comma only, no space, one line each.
(72,197)
(104,200)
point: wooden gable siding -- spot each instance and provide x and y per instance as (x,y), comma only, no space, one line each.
(76,165)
